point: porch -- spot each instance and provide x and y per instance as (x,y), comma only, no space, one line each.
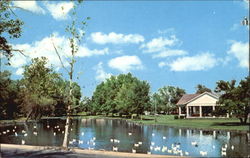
(196,111)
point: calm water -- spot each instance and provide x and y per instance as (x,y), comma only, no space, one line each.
(96,134)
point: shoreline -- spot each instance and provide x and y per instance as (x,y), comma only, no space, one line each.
(136,121)
(10,150)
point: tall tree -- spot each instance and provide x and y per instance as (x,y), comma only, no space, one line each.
(38,87)
(133,97)
(235,99)
(10,27)
(123,94)
(75,39)
(9,96)
(201,89)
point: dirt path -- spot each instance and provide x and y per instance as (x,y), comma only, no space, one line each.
(27,151)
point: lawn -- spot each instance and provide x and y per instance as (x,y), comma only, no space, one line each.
(200,123)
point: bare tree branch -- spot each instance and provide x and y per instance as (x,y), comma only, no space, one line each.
(59,56)
(12,50)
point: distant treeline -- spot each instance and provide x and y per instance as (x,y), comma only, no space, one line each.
(43,92)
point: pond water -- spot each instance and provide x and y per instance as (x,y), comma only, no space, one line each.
(126,136)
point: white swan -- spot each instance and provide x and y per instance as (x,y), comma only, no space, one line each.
(203,153)
(232,147)
(115,148)
(136,145)
(194,143)
(133,151)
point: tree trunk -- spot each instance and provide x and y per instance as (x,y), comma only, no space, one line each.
(27,118)
(245,119)
(66,134)
(241,120)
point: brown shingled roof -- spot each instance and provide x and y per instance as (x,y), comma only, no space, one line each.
(185,98)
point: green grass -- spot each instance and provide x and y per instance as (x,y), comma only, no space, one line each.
(199,123)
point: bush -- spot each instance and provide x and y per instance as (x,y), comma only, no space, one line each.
(176,117)
(219,111)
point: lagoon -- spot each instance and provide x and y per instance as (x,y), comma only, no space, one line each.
(107,134)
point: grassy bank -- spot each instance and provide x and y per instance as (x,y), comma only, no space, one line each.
(199,123)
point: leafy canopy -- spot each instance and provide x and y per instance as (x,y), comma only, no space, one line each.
(10,28)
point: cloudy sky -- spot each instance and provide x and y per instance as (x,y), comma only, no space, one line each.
(179,43)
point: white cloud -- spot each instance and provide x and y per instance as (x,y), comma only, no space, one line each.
(166,31)
(159,44)
(115,38)
(85,52)
(101,75)
(59,11)
(45,48)
(198,62)
(18,59)
(240,51)
(169,52)
(19,71)
(30,6)
(162,64)
(224,61)
(126,63)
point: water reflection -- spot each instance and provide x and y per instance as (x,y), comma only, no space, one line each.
(105,134)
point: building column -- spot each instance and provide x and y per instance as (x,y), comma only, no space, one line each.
(187,110)
(200,111)
(213,108)
(179,111)
(194,109)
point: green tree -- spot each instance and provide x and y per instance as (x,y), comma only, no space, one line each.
(38,87)
(85,105)
(201,89)
(60,95)
(133,97)
(9,99)
(235,99)
(10,28)
(166,98)
(123,94)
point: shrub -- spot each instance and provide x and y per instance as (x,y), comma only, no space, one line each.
(176,117)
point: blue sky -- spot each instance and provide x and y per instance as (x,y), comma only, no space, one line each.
(178,43)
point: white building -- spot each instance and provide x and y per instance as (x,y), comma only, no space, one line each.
(197,105)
